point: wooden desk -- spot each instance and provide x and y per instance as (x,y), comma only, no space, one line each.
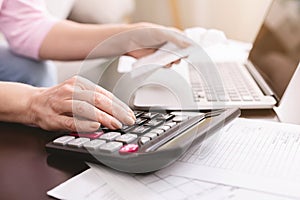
(26,171)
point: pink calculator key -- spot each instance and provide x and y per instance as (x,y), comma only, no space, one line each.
(129,148)
(94,135)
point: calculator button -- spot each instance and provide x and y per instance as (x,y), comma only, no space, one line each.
(180,118)
(151,135)
(158,131)
(111,146)
(94,144)
(140,130)
(126,128)
(110,136)
(138,113)
(153,123)
(171,124)
(165,117)
(94,135)
(78,142)
(164,128)
(144,140)
(149,115)
(63,140)
(126,138)
(104,129)
(129,148)
(140,121)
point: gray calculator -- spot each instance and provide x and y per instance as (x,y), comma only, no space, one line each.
(157,139)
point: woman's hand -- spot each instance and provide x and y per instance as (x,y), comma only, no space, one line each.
(148,37)
(78,105)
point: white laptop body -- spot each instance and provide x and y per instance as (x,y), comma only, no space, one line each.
(289,108)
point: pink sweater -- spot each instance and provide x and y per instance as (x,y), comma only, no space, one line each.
(25,23)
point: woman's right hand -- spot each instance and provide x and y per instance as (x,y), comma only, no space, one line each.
(77,104)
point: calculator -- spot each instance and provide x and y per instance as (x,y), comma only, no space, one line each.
(157,139)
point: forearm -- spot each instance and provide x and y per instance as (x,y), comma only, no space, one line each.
(15,102)
(73,41)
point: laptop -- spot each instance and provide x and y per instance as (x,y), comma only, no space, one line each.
(258,83)
(289,107)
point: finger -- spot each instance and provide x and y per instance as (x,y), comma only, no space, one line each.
(172,63)
(77,125)
(141,52)
(107,105)
(85,84)
(82,109)
(177,61)
(173,36)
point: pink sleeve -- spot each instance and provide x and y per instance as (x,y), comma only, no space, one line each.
(25,23)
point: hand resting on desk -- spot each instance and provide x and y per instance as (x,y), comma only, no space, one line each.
(74,105)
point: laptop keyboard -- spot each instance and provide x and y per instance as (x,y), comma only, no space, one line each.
(232,86)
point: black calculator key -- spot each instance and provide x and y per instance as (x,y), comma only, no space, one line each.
(149,115)
(153,123)
(138,113)
(104,129)
(165,117)
(126,128)
(140,130)
(140,121)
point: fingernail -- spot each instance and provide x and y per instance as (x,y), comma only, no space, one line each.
(130,121)
(95,125)
(131,113)
(116,124)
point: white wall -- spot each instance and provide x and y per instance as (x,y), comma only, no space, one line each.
(240,19)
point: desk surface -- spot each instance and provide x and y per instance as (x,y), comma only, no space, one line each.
(27,172)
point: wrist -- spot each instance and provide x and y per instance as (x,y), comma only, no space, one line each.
(28,111)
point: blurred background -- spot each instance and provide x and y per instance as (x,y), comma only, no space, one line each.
(239,20)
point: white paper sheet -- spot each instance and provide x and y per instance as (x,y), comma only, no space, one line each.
(213,42)
(258,155)
(85,186)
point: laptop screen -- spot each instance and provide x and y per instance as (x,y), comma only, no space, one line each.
(276,50)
